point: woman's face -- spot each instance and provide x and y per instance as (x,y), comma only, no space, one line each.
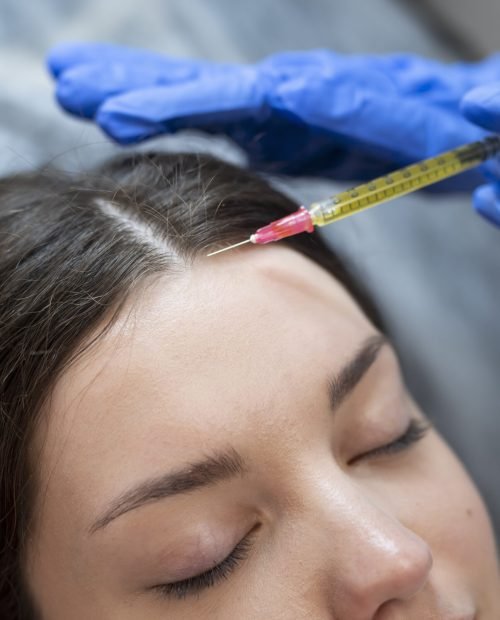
(240,445)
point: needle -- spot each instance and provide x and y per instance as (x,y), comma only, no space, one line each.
(229,247)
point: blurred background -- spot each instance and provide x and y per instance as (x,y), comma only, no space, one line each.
(431,263)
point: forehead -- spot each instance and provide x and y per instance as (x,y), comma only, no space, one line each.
(194,358)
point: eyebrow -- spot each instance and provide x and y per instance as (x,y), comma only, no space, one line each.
(342,384)
(222,466)
(228,464)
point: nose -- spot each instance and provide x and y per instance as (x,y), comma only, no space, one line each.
(376,562)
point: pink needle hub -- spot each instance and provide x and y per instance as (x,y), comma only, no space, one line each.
(292,224)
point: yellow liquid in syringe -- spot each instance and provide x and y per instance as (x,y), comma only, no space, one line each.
(403,181)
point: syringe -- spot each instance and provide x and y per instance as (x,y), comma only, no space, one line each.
(385,188)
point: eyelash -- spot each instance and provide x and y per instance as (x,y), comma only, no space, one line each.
(182,589)
(417,429)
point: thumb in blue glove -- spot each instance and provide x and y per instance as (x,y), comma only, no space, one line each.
(482,106)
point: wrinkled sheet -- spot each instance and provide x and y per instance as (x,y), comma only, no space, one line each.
(433,266)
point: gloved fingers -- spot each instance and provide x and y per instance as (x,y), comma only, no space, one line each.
(210,103)
(83,88)
(486,201)
(67,55)
(411,75)
(383,124)
(482,106)
(427,79)
(438,83)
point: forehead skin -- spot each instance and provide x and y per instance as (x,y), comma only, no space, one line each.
(211,330)
(234,350)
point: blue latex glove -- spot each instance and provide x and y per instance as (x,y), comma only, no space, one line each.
(309,113)
(482,106)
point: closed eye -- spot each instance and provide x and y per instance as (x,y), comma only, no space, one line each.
(210,578)
(416,430)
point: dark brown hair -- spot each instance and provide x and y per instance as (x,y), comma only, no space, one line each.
(71,250)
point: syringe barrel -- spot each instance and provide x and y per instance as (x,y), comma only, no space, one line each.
(403,181)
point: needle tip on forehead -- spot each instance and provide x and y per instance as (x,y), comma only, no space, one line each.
(229,247)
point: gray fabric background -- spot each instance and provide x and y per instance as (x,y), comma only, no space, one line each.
(432,264)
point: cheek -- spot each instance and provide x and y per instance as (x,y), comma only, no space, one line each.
(453,518)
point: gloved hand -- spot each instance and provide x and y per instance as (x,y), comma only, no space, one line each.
(309,113)
(482,106)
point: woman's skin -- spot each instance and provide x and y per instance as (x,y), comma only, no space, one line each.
(262,354)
